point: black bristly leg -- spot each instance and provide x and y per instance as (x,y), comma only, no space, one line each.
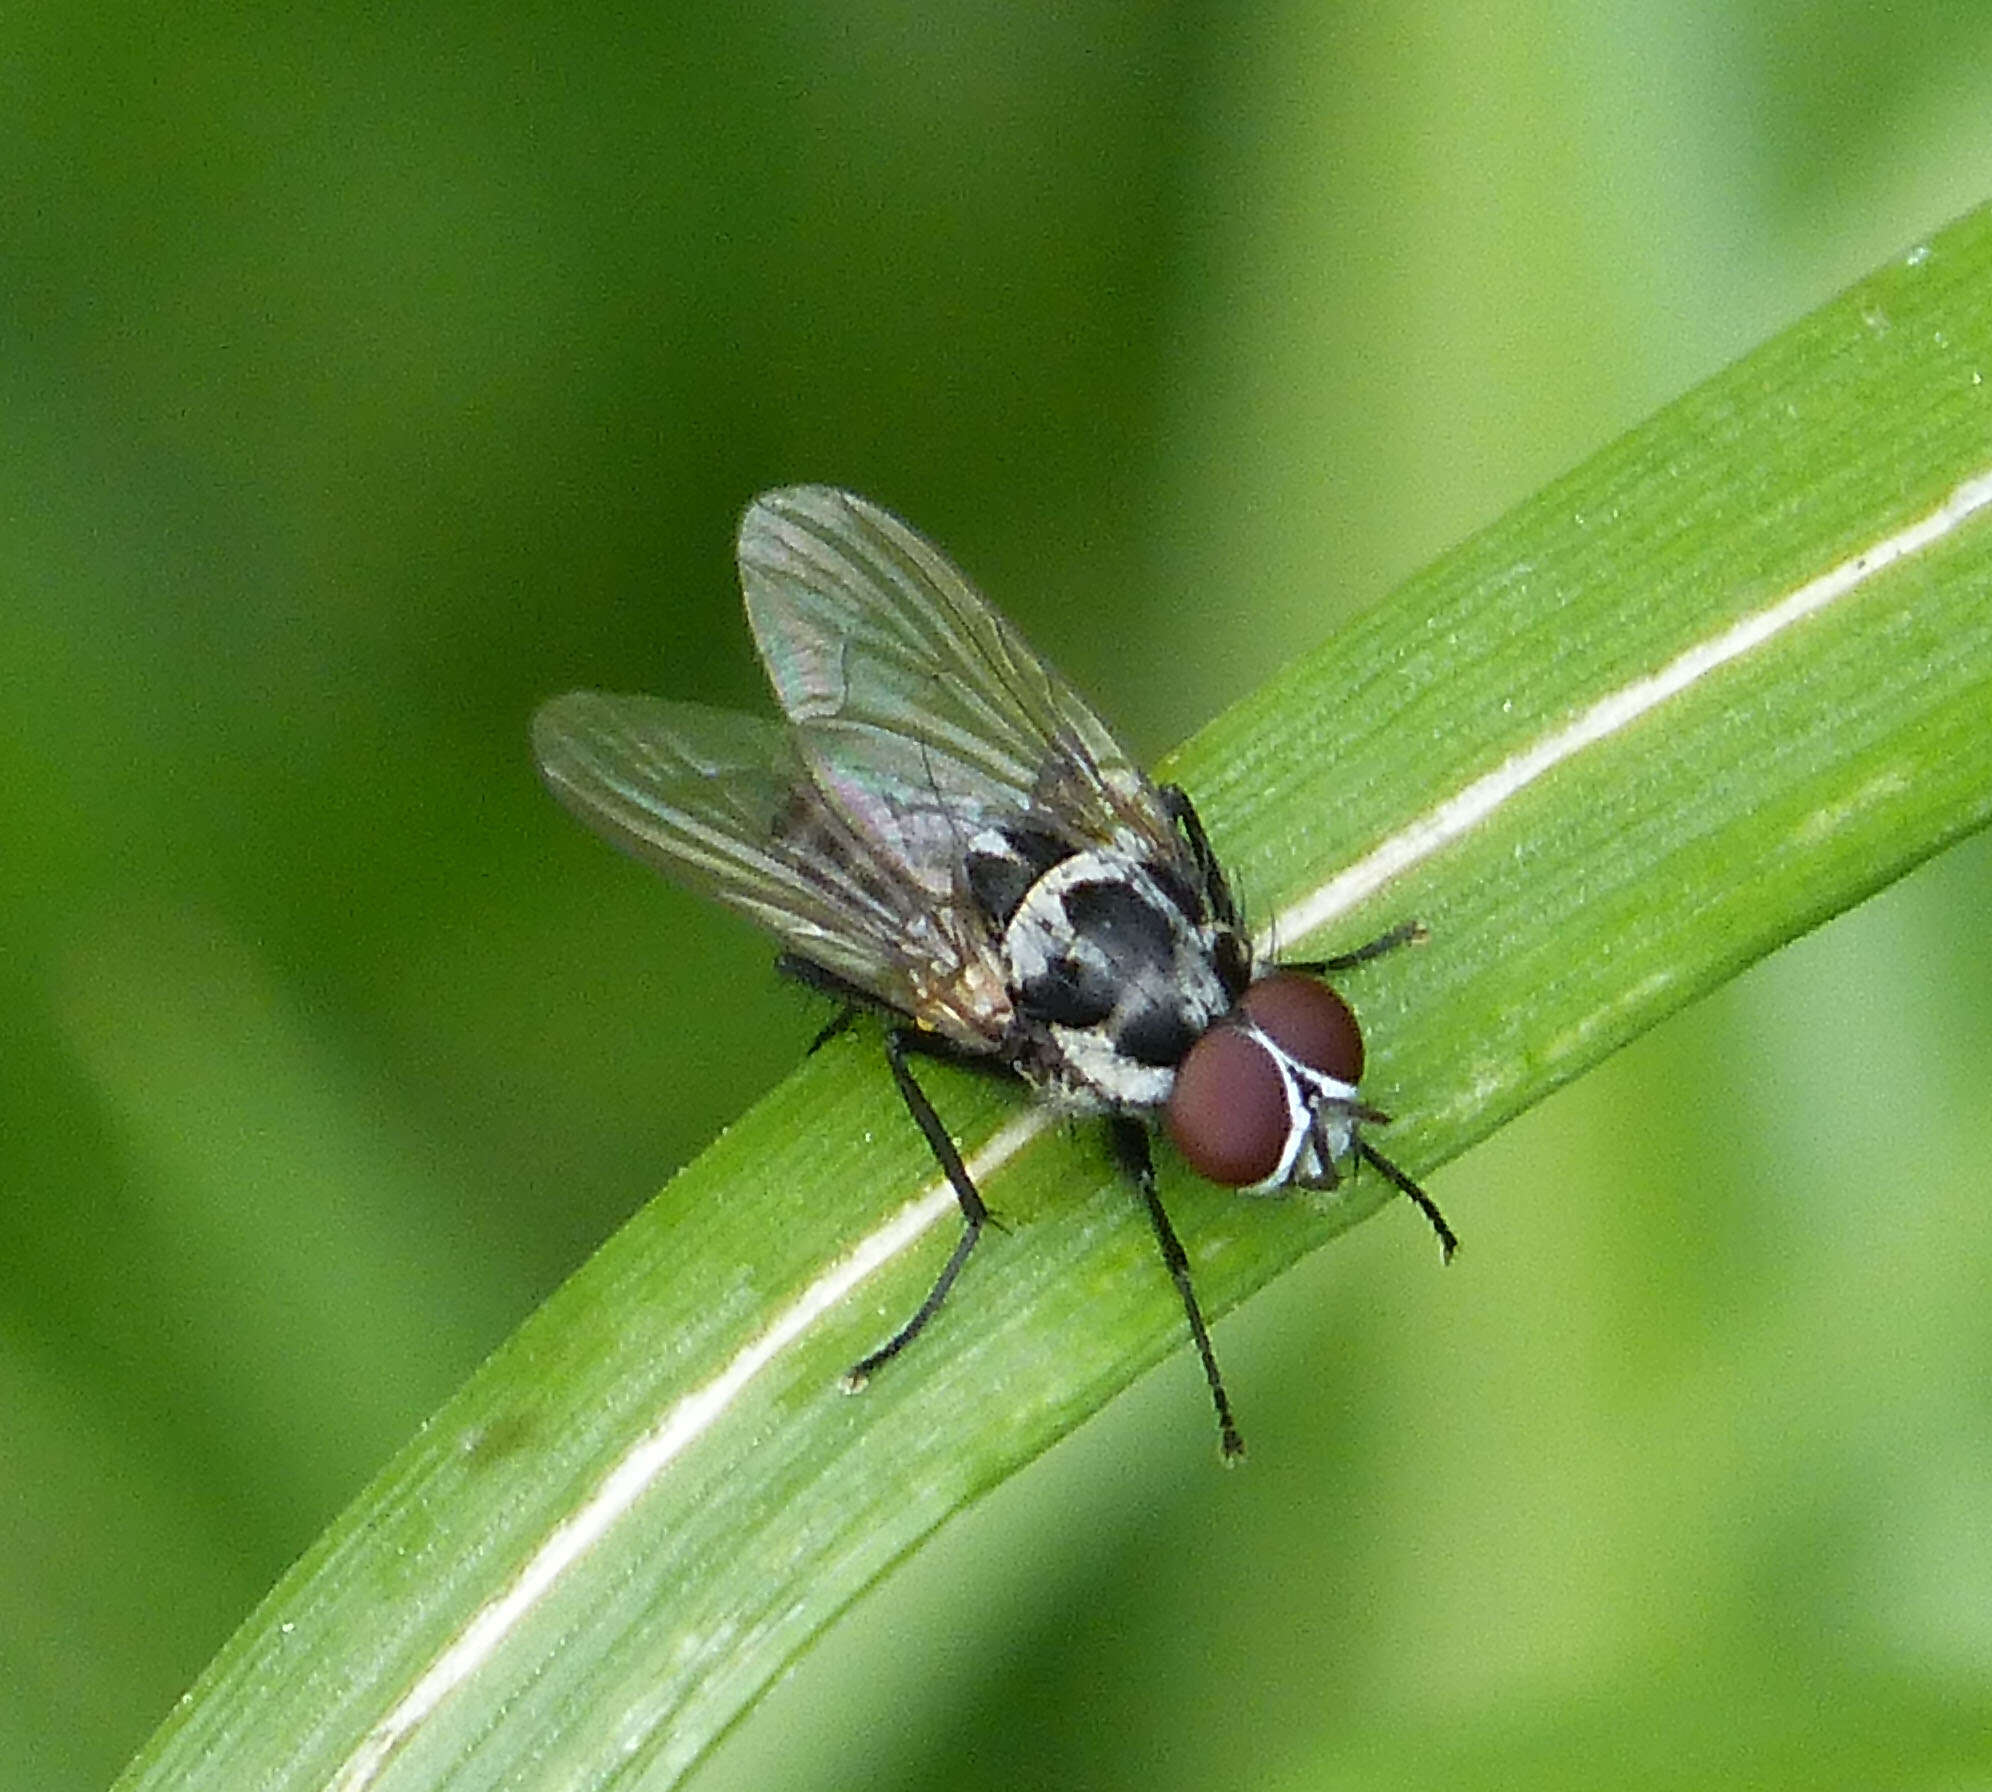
(840,1022)
(1405,933)
(974,1214)
(856,1001)
(1448,1240)
(812,975)
(1130,1142)
(903,1039)
(1217,888)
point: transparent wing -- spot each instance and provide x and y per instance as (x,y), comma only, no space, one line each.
(915,704)
(720,803)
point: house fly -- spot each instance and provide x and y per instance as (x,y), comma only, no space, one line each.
(942,833)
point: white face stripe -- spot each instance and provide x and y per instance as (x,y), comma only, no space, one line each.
(1306,1089)
(1445,822)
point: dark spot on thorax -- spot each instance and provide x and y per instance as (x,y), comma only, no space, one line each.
(1158,1035)
(1128,928)
(1000,874)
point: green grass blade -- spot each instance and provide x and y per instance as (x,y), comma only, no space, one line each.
(627,1523)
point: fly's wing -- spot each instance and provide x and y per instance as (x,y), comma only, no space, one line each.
(720,803)
(917,708)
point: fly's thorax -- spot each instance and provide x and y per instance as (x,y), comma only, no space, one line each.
(1115,970)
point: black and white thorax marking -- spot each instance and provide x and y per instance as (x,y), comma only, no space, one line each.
(1113,969)
(944,834)
(1117,964)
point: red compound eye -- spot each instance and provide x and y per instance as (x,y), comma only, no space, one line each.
(1308,1019)
(1228,1111)
(1228,1115)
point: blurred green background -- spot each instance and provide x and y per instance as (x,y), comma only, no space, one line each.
(370,373)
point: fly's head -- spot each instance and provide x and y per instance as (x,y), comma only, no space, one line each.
(1267,1097)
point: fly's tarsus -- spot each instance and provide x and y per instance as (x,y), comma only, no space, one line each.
(1130,1142)
(1448,1239)
(1405,933)
(974,1214)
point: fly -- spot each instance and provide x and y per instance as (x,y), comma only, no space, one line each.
(945,835)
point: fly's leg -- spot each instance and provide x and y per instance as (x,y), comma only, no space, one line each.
(813,976)
(1130,1142)
(902,1040)
(1405,933)
(838,1023)
(1217,887)
(974,1213)
(1448,1239)
(1217,890)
